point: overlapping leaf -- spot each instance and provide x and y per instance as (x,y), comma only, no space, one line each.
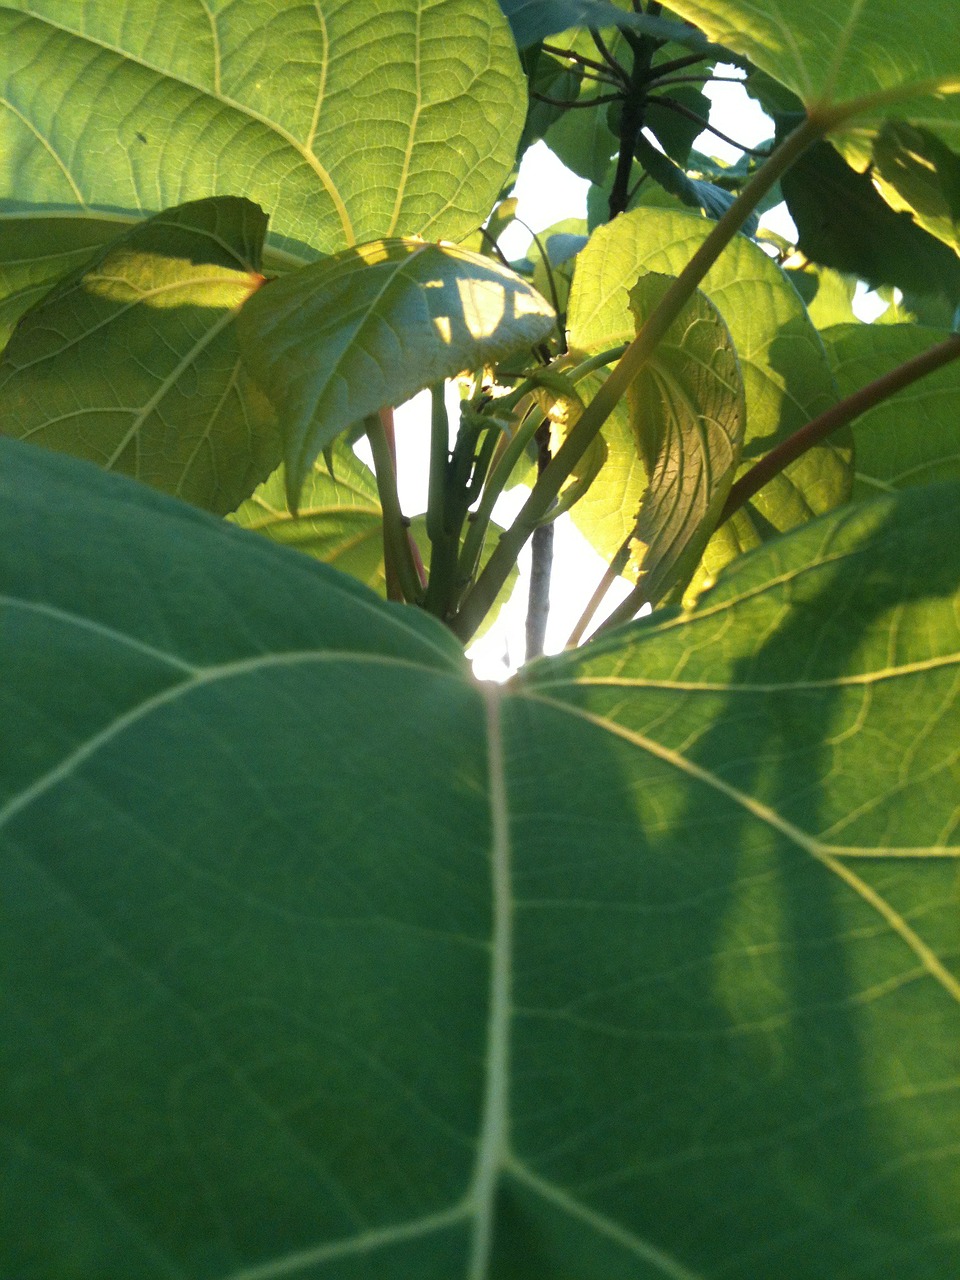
(787,379)
(842,222)
(841,51)
(132,361)
(688,414)
(321,957)
(915,170)
(346,122)
(373,326)
(912,438)
(36,253)
(338,521)
(533,20)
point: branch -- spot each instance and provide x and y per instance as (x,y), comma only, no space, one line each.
(839,415)
(574,104)
(619,71)
(672,105)
(582,60)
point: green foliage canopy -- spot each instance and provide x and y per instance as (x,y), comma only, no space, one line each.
(323,959)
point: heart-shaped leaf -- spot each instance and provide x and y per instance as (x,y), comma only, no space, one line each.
(322,959)
(346,122)
(132,360)
(371,327)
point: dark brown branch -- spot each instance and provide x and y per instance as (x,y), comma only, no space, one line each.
(577,103)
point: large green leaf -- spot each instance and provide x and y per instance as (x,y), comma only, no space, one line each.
(347,122)
(786,376)
(913,437)
(371,327)
(132,361)
(840,51)
(322,960)
(687,407)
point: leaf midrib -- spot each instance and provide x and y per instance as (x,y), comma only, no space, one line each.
(828,857)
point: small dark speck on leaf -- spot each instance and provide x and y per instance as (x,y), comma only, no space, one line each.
(141,137)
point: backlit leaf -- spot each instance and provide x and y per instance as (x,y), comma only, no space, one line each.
(688,413)
(132,361)
(787,379)
(346,122)
(840,51)
(371,327)
(913,437)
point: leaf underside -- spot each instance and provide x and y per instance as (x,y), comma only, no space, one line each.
(133,362)
(145,107)
(787,379)
(324,960)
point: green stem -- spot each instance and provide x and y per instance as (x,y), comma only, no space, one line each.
(839,415)
(610,575)
(477,532)
(439,459)
(403,581)
(480,599)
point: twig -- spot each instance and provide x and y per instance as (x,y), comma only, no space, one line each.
(839,415)
(619,71)
(672,105)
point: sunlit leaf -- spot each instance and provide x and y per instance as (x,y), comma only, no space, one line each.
(322,958)
(915,170)
(132,361)
(846,51)
(688,413)
(787,379)
(346,122)
(828,295)
(370,327)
